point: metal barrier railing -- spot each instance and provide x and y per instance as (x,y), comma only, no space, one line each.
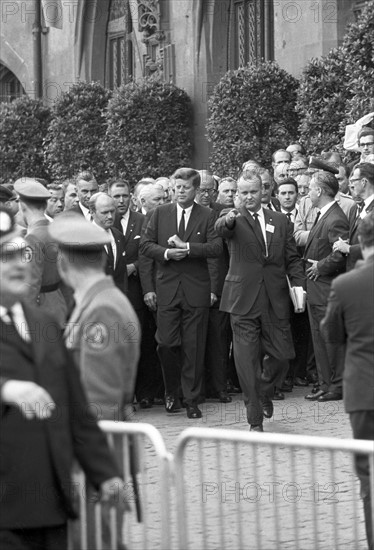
(251,490)
(145,465)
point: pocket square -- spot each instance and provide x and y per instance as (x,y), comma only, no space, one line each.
(123,253)
(137,237)
(198,233)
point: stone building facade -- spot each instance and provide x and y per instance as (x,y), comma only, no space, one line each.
(189,42)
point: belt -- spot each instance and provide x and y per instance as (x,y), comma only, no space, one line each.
(49,288)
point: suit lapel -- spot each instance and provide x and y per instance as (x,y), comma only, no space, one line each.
(244,212)
(130,227)
(268,221)
(194,216)
(317,227)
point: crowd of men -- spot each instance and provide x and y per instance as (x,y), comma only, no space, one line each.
(177,290)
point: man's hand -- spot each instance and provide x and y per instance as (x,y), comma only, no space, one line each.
(112,493)
(131,269)
(312,271)
(150,300)
(176,242)
(32,400)
(341,245)
(231,217)
(213,299)
(177,254)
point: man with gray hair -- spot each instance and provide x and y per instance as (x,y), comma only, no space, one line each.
(226,192)
(151,196)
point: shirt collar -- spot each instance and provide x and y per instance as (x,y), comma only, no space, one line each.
(187,210)
(85,210)
(325,208)
(368,201)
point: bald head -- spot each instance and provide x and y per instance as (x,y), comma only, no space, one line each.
(103,209)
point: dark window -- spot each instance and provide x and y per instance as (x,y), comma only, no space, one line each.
(120,51)
(10,86)
(252,31)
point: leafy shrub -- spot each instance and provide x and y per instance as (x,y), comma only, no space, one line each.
(252,113)
(76,134)
(149,130)
(358,46)
(23,126)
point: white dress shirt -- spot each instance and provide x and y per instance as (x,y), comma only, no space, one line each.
(125,221)
(261,219)
(293,214)
(19,320)
(86,212)
(367,202)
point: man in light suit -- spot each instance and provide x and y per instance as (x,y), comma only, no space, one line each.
(262,252)
(362,189)
(180,236)
(349,320)
(45,418)
(322,266)
(102,209)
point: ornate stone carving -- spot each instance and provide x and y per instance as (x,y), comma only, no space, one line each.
(149,19)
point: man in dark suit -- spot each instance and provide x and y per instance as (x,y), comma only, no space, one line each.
(103,210)
(322,266)
(349,320)
(362,188)
(86,187)
(45,419)
(262,252)
(268,184)
(180,236)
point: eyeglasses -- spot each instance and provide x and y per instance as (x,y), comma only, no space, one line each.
(205,191)
(367,144)
(355,179)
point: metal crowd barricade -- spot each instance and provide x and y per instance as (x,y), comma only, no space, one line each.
(145,464)
(248,490)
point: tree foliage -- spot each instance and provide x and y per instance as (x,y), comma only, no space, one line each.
(149,130)
(337,89)
(23,126)
(252,113)
(76,134)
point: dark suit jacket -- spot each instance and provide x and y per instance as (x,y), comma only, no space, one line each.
(37,452)
(147,266)
(349,318)
(191,272)
(355,249)
(132,242)
(119,270)
(332,225)
(249,267)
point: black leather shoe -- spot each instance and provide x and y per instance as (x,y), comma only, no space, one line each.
(314,396)
(172,404)
(224,397)
(331,396)
(301,381)
(267,406)
(146,403)
(278,395)
(193,411)
(256,428)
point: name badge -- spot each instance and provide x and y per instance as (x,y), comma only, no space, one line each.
(269,228)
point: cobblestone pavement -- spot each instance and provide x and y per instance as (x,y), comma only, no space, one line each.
(240,496)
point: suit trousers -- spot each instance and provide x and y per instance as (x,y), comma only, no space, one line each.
(181,337)
(258,335)
(149,383)
(329,357)
(362,423)
(217,351)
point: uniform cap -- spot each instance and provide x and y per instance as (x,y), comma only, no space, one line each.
(29,188)
(70,230)
(319,164)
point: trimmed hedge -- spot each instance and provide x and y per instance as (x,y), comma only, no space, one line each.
(149,130)
(252,113)
(76,134)
(23,126)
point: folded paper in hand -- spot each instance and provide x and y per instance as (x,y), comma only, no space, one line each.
(298,297)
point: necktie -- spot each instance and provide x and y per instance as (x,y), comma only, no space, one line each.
(20,328)
(270,206)
(317,218)
(182,226)
(360,208)
(289,216)
(110,254)
(258,230)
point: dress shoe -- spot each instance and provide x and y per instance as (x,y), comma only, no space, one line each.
(314,396)
(146,403)
(231,388)
(256,428)
(193,411)
(331,396)
(172,404)
(278,395)
(315,388)
(301,381)
(224,397)
(267,406)
(287,385)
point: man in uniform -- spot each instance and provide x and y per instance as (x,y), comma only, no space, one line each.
(45,284)
(45,420)
(103,331)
